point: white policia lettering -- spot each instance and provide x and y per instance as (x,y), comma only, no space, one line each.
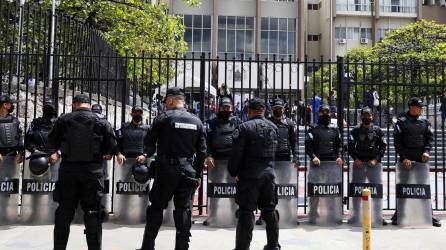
(186,126)
(373,190)
(225,190)
(131,187)
(286,191)
(326,189)
(40,186)
(414,191)
(7,186)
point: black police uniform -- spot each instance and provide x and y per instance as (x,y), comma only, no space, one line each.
(287,148)
(367,144)
(413,137)
(219,136)
(323,142)
(180,140)
(37,135)
(83,140)
(131,139)
(252,159)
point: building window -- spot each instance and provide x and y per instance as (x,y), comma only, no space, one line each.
(278,37)
(353,5)
(236,36)
(398,6)
(314,38)
(314,6)
(353,33)
(198,33)
(382,33)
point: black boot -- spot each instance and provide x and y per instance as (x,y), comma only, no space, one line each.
(183,224)
(245,225)
(395,219)
(154,220)
(93,229)
(436,222)
(272,229)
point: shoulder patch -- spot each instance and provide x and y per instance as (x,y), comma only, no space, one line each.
(189,126)
(236,134)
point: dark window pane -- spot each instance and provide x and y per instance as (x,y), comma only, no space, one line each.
(240,38)
(240,22)
(231,41)
(291,43)
(273,36)
(265,23)
(291,24)
(207,21)
(222,22)
(282,43)
(273,24)
(250,23)
(188,20)
(206,40)
(249,41)
(283,24)
(264,41)
(221,40)
(197,22)
(231,22)
(188,36)
(197,40)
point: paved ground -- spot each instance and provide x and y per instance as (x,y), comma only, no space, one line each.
(204,238)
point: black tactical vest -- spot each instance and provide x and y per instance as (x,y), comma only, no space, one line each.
(414,132)
(367,143)
(263,140)
(81,142)
(283,139)
(40,134)
(222,135)
(133,138)
(324,141)
(9,136)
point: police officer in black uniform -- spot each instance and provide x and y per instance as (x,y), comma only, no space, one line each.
(97,110)
(413,140)
(251,164)
(219,133)
(83,141)
(366,145)
(180,140)
(131,135)
(11,135)
(37,135)
(324,142)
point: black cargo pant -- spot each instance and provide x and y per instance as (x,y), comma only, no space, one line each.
(170,181)
(257,193)
(71,189)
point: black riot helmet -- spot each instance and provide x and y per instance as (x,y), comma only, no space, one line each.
(38,163)
(140,172)
(96,108)
(415,101)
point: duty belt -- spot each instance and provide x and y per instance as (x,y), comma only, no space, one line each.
(174,161)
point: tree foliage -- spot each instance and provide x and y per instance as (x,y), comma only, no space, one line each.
(409,61)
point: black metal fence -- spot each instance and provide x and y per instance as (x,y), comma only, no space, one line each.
(82,62)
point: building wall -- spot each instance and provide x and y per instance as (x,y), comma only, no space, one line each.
(437,13)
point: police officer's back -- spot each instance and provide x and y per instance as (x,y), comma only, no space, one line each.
(252,164)
(179,139)
(37,134)
(82,140)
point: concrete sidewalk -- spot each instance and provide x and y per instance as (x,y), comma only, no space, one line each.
(204,238)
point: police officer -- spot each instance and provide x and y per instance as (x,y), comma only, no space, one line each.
(180,140)
(11,137)
(97,110)
(37,135)
(413,140)
(366,145)
(11,155)
(324,142)
(83,140)
(131,135)
(252,165)
(219,133)
(219,141)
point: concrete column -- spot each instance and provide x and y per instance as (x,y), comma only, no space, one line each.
(258,17)
(214,31)
(301,30)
